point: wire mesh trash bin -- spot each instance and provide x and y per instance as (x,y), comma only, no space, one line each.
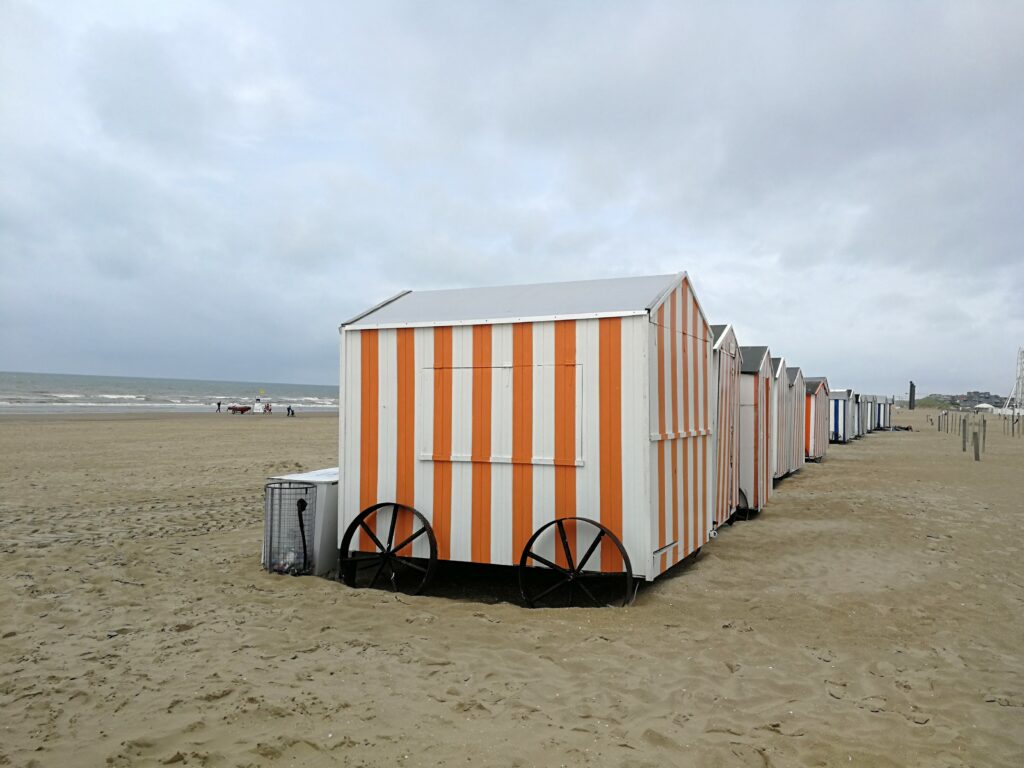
(289,520)
(322,539)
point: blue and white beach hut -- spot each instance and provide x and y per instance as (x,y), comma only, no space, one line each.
(841,416)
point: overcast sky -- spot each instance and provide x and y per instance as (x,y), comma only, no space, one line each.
(208,189)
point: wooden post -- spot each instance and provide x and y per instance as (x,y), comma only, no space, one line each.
(984,432)
(977,451)
(963,432)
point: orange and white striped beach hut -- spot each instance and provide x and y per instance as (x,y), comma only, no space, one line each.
(725,366)
(494,412)
(756,381)
(816,402)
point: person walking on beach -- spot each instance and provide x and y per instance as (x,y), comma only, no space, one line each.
(218,406)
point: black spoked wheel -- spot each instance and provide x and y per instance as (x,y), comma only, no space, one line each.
(582,580)
(387,560)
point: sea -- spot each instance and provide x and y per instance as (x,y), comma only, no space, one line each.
(72,393)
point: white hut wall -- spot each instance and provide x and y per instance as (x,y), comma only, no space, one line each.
(726,428)
(681,446)
(789,427)
(779,432)
(798,394)
(492,430)
(755,445)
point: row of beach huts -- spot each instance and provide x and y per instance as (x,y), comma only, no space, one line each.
(582,430)
(783,419)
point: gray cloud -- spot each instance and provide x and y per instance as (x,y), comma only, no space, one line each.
(841,181)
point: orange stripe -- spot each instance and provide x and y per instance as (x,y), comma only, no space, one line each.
(675,499)
(405,435)
(674,373)
(702,382)
(610,438)
(694,495)
(698,487)
(368,423)
(702,363)
(522,436)
(481,503)
(661,499)
(368,430)
(674,361)
(720,444)
(686,497)
(443,441)
(807,425)
(734,433)
(703,489)
(687,357)
(565,428)
(767,433)
(661,430)
(661,370)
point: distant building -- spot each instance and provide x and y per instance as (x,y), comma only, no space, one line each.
(974,398)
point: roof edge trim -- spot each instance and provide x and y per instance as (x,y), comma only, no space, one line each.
(728,329)
(677,278)
(373,309)
(492,321)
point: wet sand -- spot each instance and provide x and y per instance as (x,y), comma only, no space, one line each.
(873,615)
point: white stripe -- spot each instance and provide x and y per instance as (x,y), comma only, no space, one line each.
(544,391)
(680,347)
(351,392)
(588,480)
(544,432)
(387,421)
(636,445)
(462,444)
(423,342)
(501,445)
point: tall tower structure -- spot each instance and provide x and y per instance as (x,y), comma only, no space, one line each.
(1016,398)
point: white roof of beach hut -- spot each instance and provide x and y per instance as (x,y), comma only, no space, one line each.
(537,302)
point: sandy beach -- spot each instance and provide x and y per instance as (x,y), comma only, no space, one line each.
(873,615)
